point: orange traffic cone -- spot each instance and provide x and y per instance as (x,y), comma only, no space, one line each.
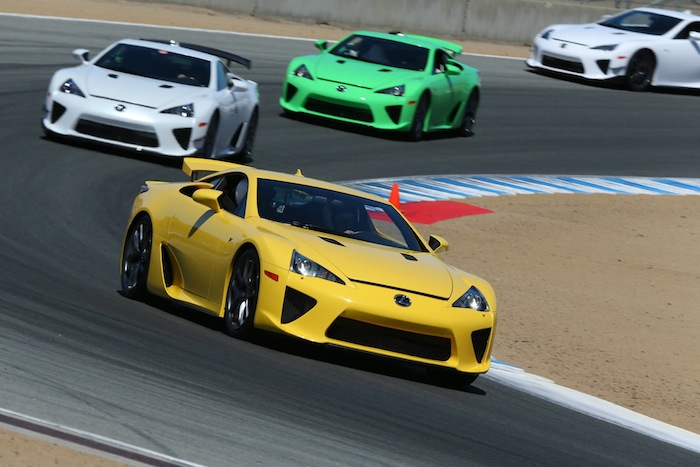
(394,196)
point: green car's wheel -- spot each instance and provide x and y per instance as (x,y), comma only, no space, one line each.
(242,295)
(416,133)
(136,258)
(210,138)
(450,378)
(640,71)
(469,118)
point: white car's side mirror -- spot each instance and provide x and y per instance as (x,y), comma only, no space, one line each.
(82,55)
(694,35)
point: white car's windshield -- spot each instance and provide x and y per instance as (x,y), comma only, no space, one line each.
(337,213)
(644,22)
(157,64)
(382,52)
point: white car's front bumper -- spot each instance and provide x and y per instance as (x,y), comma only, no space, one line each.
(122,124)
(576,60)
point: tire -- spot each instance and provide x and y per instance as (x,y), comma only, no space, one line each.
(449,378)
(210,138)
(469,118)
(416,132)
(136,258)
(640,71)
(246,154)
(242,295)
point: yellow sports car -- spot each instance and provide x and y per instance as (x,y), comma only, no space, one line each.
(311,259)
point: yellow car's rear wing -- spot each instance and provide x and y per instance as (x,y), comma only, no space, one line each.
(197,168)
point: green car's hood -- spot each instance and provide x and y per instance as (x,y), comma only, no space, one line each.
(358,73)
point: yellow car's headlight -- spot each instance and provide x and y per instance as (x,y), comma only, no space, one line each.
(302,265)
(472,298)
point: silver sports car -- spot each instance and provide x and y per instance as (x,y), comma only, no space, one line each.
(156,96)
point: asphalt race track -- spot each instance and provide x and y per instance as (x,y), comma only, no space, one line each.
(73,351)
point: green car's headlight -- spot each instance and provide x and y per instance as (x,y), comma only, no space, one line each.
(181,110)
(394,90)
(302,72)
(69,87)
(474,299)
(302,265)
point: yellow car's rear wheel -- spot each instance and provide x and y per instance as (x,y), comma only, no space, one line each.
(242,295)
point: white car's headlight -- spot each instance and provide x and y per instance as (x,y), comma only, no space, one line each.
(394,90)
(181,110)
(607,48)
(302,265)
(302,72)
(546,33)
(69,87)
(474,299)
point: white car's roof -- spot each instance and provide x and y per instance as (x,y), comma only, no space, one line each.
(683,15)
(172,46)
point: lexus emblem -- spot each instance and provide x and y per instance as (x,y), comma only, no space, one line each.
(341,88)
(120,107)
(402,300)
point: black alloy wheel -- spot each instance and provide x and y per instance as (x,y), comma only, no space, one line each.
(416,133)
(210,138)
(469,119)
(136,258)
(246,154)
(640,71)
(242,295)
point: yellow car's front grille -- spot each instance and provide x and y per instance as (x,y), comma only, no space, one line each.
(392,340)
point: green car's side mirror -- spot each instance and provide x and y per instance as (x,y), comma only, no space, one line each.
(321,44)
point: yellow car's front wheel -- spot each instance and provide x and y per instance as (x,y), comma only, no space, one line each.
(136,257)
(242,295)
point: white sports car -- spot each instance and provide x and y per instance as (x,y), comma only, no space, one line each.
(159,97)
(642,47)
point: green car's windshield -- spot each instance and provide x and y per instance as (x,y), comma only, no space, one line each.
(157,64)
(328,211)
(382,52)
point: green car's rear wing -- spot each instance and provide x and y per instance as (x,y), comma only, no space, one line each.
(451,47)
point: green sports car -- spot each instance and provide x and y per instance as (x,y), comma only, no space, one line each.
(387,81)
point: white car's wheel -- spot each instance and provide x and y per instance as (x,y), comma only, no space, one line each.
(640,71)
(210,138)
(246,154)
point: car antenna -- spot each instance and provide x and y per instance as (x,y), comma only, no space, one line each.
(299,174)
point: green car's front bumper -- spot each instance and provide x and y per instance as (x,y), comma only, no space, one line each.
(347,103)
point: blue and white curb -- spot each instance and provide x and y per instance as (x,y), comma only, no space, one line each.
(445,187)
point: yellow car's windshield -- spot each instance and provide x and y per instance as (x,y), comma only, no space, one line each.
(334,212)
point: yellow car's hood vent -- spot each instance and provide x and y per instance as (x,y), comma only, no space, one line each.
(384,266)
